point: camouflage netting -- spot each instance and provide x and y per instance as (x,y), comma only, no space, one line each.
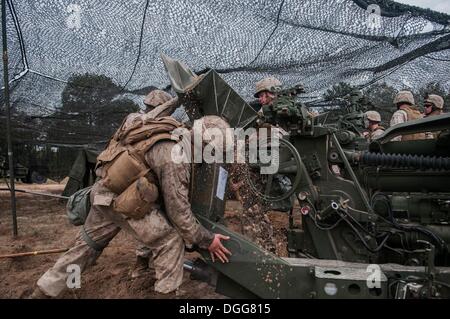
(316,42)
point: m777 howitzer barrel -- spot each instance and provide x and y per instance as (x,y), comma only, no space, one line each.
(402,173)
(404,161)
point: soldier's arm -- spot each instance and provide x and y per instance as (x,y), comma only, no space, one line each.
(397,118)
(377,133)
(174,187)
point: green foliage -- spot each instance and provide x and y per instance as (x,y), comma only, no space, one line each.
(91,110)
(339,90)
(380,96)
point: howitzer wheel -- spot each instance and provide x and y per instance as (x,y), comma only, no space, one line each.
(289,164)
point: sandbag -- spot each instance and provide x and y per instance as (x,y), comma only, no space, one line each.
(137,200)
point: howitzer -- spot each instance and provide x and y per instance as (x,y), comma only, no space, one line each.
(375,228)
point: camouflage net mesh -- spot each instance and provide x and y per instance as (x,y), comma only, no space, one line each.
(315,42)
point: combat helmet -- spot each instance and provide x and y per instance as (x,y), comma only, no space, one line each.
(373,116)
(404,97)
(267,84)
(212,125)
(436,100)
(157,97)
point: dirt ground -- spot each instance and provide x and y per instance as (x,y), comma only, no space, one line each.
(43,225)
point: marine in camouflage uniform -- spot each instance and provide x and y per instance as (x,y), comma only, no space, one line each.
(158,104)
(434,105)
(256,224)
(265,90)
(406,111)
(374,127)
(165,229)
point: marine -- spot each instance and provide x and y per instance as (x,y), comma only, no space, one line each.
(373,125)
(158,103)
(406,111)
(265,90)
(145,193)
(434,105)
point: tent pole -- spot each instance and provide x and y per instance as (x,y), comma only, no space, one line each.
(8,119)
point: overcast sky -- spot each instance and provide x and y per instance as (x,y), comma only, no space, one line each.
(436,5)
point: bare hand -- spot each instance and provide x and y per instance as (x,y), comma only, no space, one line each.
(216,249)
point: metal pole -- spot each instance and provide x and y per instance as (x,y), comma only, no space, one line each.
(35,253)
(36,193)
(8,119)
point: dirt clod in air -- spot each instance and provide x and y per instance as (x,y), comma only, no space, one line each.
(256,220)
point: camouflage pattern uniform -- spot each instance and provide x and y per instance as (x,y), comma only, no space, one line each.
(379,131)
(402,115)
(161,104)
(374,116)
(156,98)
(282,183)
(267,84)
(438,106)
(165,230)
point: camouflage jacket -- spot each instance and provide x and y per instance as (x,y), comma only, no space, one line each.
(174,180)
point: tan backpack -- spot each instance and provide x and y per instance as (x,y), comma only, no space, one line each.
(124,169)
(412,114)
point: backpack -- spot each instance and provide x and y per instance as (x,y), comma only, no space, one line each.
(123,160)
(78,206)
(412,114)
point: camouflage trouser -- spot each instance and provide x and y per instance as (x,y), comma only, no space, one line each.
(143,251)
(102,225)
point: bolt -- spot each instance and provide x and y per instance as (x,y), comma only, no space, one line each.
(302,196)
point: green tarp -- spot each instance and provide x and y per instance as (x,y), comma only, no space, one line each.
(82,173)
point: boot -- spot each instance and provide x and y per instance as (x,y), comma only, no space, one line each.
(176,294)
(140,267)
(38,294)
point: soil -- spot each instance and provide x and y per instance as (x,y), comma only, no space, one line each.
(42,225)
(264,227)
